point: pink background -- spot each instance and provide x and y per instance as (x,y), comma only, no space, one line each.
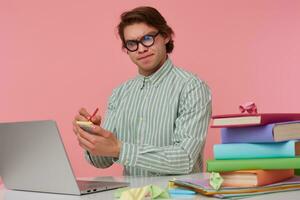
(56,56)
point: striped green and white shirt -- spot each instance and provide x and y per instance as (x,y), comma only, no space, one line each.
(162,121)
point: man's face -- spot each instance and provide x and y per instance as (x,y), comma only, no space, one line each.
(148,59)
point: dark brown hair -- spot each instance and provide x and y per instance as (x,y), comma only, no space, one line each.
(149,16)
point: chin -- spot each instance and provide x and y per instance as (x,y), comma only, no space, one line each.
(147,66)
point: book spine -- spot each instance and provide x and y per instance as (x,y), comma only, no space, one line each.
(248,164)
(254,150)
(255,134)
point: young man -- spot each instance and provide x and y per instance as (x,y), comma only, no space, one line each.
(156,123)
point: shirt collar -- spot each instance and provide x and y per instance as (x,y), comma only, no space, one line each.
(158,76)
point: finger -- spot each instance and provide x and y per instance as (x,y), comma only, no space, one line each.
(75,130)
(74,122)
(76,127)
(88,136)
(83,112)
(80,118)
(82,140)
(96,120)
(101,132)
(82,145)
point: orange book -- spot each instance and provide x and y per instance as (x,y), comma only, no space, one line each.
(254,178)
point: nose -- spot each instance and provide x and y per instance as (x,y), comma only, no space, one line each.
(142,48)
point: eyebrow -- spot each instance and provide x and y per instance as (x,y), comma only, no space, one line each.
(149,33)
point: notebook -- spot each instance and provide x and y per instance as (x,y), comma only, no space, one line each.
(33,158)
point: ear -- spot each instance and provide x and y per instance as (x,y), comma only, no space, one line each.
(125,50)
(167,39)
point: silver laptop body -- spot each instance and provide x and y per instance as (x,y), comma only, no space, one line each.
(33,158)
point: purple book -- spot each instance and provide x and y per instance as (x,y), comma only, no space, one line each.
(275,132)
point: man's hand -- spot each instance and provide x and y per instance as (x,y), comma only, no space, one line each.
(83,115)
(101,142)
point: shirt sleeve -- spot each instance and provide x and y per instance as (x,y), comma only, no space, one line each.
(190,131)
(108,124)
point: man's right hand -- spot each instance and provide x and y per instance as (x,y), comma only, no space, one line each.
(83,115)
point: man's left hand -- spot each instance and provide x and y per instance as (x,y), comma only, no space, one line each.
(100,142)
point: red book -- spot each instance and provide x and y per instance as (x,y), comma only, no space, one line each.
(240,120)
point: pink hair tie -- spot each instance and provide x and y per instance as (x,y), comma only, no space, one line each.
(248,107)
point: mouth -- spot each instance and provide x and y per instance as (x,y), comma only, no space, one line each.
(147,56)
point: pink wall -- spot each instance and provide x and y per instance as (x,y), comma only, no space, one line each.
(56,56)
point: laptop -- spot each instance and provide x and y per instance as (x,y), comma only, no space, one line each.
(33,158)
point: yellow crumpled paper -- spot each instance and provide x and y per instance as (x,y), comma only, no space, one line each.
(142,193)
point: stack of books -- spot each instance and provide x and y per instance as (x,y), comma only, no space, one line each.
(256,149)
(257,155)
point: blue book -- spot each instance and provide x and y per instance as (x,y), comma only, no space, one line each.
(276,132)
(257,150)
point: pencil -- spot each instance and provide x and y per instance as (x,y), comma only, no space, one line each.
(95,112)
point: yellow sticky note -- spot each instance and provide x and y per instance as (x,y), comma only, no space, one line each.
(85,125)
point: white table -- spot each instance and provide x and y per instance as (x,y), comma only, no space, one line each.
(134,182)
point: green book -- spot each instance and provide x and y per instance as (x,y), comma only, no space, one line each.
(251,164)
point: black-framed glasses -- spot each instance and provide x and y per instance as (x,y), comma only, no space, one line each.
(147,41)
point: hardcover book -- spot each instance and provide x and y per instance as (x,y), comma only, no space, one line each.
(240,120)
(256,150)
(250,164)
(275,132)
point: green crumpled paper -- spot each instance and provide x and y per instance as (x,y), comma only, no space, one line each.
(215,180)
(141,193)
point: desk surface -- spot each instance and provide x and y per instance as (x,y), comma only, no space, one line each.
(134,182)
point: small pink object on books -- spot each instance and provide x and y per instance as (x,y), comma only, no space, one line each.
(248,107)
